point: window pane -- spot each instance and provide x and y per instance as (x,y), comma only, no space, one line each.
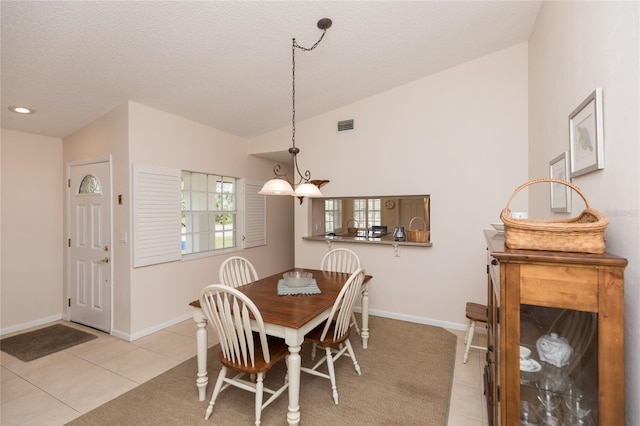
(90,185)
(186,200)
(229,238)
(332,215)
(337,213)
(213,202)
(187,221)
(227,202)
(200,242)
(201,223)
(229,227)
(224,239)
(186,181)
(187,244)
(212,182)
(209,215)
(220,205)
(219,240)
(212,222)
(199,201)
(198,182)
(228,185)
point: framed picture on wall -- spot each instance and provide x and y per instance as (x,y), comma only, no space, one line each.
(560,194)
(586,135)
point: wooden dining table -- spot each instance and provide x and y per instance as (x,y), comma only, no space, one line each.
(288,317)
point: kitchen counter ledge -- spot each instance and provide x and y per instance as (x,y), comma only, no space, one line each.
(386,240)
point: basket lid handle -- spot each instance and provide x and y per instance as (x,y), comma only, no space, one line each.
(551,180)
(424,226)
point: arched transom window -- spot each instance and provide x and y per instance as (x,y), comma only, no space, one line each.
(90,185)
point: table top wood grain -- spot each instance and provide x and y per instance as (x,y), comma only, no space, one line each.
(293,311)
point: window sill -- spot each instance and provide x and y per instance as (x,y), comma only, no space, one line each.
(211,253)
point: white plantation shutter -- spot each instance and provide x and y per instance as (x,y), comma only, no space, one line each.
(255,215)
(156,215)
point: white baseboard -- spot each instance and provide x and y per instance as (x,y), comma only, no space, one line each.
(131,337)
(416,319)
(373,312)
(29,324)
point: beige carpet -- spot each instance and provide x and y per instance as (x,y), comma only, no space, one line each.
(44,341)
(407,375)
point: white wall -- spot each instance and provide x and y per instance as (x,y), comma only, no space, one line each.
(31,282)
(460,136)
(574,48)
(161,293)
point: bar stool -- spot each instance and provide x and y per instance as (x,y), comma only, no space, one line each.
(475,312)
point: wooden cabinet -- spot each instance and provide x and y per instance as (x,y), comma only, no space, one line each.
(580,298)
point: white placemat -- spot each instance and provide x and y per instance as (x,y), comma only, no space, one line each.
(285,290)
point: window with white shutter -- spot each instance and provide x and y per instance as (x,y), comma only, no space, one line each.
(177,213)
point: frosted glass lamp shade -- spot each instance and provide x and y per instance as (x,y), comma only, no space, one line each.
(276,187)
(307,190)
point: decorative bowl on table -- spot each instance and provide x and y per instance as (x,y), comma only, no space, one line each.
(297,279)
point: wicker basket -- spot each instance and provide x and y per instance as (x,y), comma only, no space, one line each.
(352,226)
(582,234)
(418,235)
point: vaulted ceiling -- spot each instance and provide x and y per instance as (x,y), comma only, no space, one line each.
(227,64)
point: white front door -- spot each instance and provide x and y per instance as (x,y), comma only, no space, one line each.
(90,245)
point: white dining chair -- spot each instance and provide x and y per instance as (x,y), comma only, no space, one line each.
(342,260)
(243,348)
(236,271)
(333,334)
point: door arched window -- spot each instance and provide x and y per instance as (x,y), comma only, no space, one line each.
(90,185)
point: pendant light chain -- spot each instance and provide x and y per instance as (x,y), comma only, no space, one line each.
(295,46)
(293,92)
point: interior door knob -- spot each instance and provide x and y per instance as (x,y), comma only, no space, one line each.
(105,260)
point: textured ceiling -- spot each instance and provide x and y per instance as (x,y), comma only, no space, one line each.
(228,64)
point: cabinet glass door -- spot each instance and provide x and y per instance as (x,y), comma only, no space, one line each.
(558,366)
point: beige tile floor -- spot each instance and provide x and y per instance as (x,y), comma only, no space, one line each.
(55,389)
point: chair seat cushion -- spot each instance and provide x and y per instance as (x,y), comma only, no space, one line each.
(314,336)
(278,350)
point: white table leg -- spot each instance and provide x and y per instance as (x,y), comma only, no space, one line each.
(201,352)
(364,332)
(294,363)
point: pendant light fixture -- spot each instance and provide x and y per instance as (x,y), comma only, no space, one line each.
(300,185)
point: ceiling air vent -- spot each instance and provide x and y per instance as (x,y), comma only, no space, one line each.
(345,125)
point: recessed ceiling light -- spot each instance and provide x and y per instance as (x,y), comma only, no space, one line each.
(21,110)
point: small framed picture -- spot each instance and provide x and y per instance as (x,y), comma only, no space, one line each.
(586,135)
(560,194)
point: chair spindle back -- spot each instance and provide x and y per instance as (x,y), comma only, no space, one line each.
(236,271)
(340,260)
(343,306)
(230,311)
